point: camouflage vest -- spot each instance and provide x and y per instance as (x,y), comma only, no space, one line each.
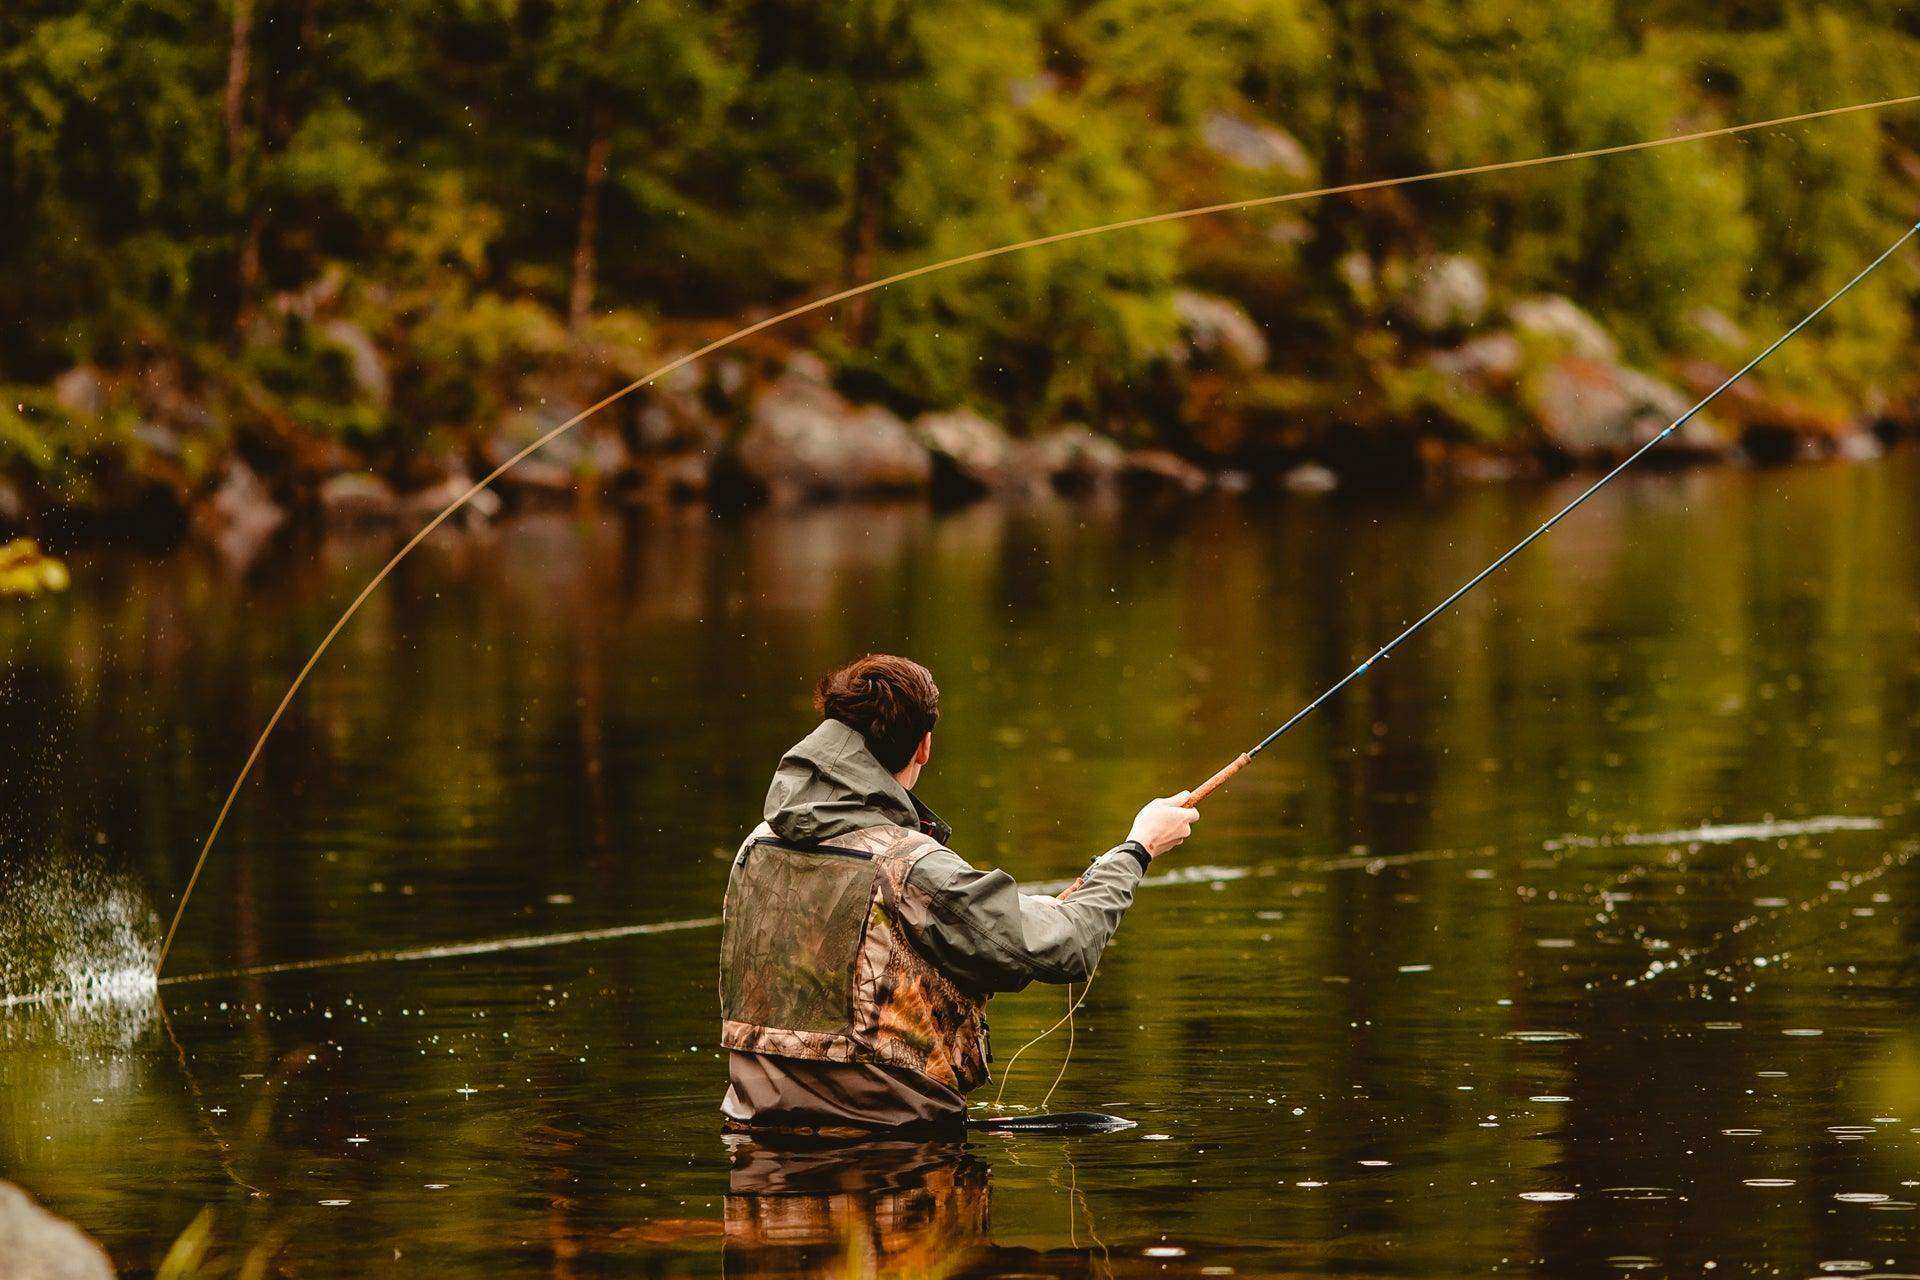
(815,964)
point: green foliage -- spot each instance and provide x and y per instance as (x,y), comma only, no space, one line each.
(496,192)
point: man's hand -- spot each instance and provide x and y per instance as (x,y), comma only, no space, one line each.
(1163,824)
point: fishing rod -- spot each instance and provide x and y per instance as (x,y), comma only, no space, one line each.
(1245,758)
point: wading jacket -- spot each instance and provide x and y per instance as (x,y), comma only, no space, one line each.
(855,937)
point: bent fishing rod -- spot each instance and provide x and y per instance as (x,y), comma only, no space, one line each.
(1245,758)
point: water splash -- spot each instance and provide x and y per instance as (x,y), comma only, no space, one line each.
(76,935)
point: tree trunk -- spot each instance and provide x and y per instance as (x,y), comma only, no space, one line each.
(247,269)
(586,245)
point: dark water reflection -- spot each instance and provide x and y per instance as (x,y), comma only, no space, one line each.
(1530,954)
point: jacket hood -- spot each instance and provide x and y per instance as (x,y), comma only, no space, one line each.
(829,784)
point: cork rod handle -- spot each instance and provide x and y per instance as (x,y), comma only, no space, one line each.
(1218,780)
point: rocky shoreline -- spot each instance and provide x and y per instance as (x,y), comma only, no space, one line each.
(1539,388)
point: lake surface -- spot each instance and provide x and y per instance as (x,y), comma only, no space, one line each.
(1573,940)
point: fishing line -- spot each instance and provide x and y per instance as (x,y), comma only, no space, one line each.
(844,295)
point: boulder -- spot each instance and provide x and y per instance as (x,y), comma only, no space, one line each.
(1490,360)
(1560,320)
(804,440)
(1075,459)
(971,455)
(423,505)
(1154,471)
(35,1245)
(589,451)
(1310,477)
(357,498)
(1261,148)
(241,517)
(1592,410)
(1447,291)
(1220,329)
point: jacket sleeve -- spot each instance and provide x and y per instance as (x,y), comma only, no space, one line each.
(987,935)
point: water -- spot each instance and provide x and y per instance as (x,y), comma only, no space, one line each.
(1573,940)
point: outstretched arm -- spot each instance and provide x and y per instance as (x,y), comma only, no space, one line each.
(988,935)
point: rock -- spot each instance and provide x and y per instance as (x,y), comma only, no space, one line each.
(423,505)
(1447,292)
(357,498)
(1161,471)
(81,391)
(971,455)
(35,1245)
(1858,446)
(1310,477)
(1717,326)
(1233,481)
(804,440)
(366,364)
(589,451)
(809,367)
(1593,410)
(1075,459)
(13,507)
(1263,148)
(1559,319)
(1485,361)
(241,517)
(1220,329)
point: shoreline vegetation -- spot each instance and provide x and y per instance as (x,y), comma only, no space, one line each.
(331,267)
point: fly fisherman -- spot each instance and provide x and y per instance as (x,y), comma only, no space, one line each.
(859,951)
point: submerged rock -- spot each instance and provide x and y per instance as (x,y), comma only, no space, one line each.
(804,440)
(1076,459)
(1160,471)
(357,498)
(1310,477)
(35,1245)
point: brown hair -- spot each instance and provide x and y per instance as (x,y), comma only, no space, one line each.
(892,702)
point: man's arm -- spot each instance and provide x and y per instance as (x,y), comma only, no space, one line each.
(986,934)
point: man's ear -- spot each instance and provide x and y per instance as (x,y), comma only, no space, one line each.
(924,752)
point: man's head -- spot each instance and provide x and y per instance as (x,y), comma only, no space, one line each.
(892,702)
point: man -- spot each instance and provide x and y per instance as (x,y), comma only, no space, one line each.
(859,951)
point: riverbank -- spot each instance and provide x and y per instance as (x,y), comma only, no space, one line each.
(1446,387)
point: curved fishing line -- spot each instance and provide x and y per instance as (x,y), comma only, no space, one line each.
(855,291)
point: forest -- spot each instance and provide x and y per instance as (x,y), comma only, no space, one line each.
(280,257)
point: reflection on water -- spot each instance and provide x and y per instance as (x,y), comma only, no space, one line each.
(1574,938)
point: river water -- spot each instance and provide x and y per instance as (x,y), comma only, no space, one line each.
(1573,940)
